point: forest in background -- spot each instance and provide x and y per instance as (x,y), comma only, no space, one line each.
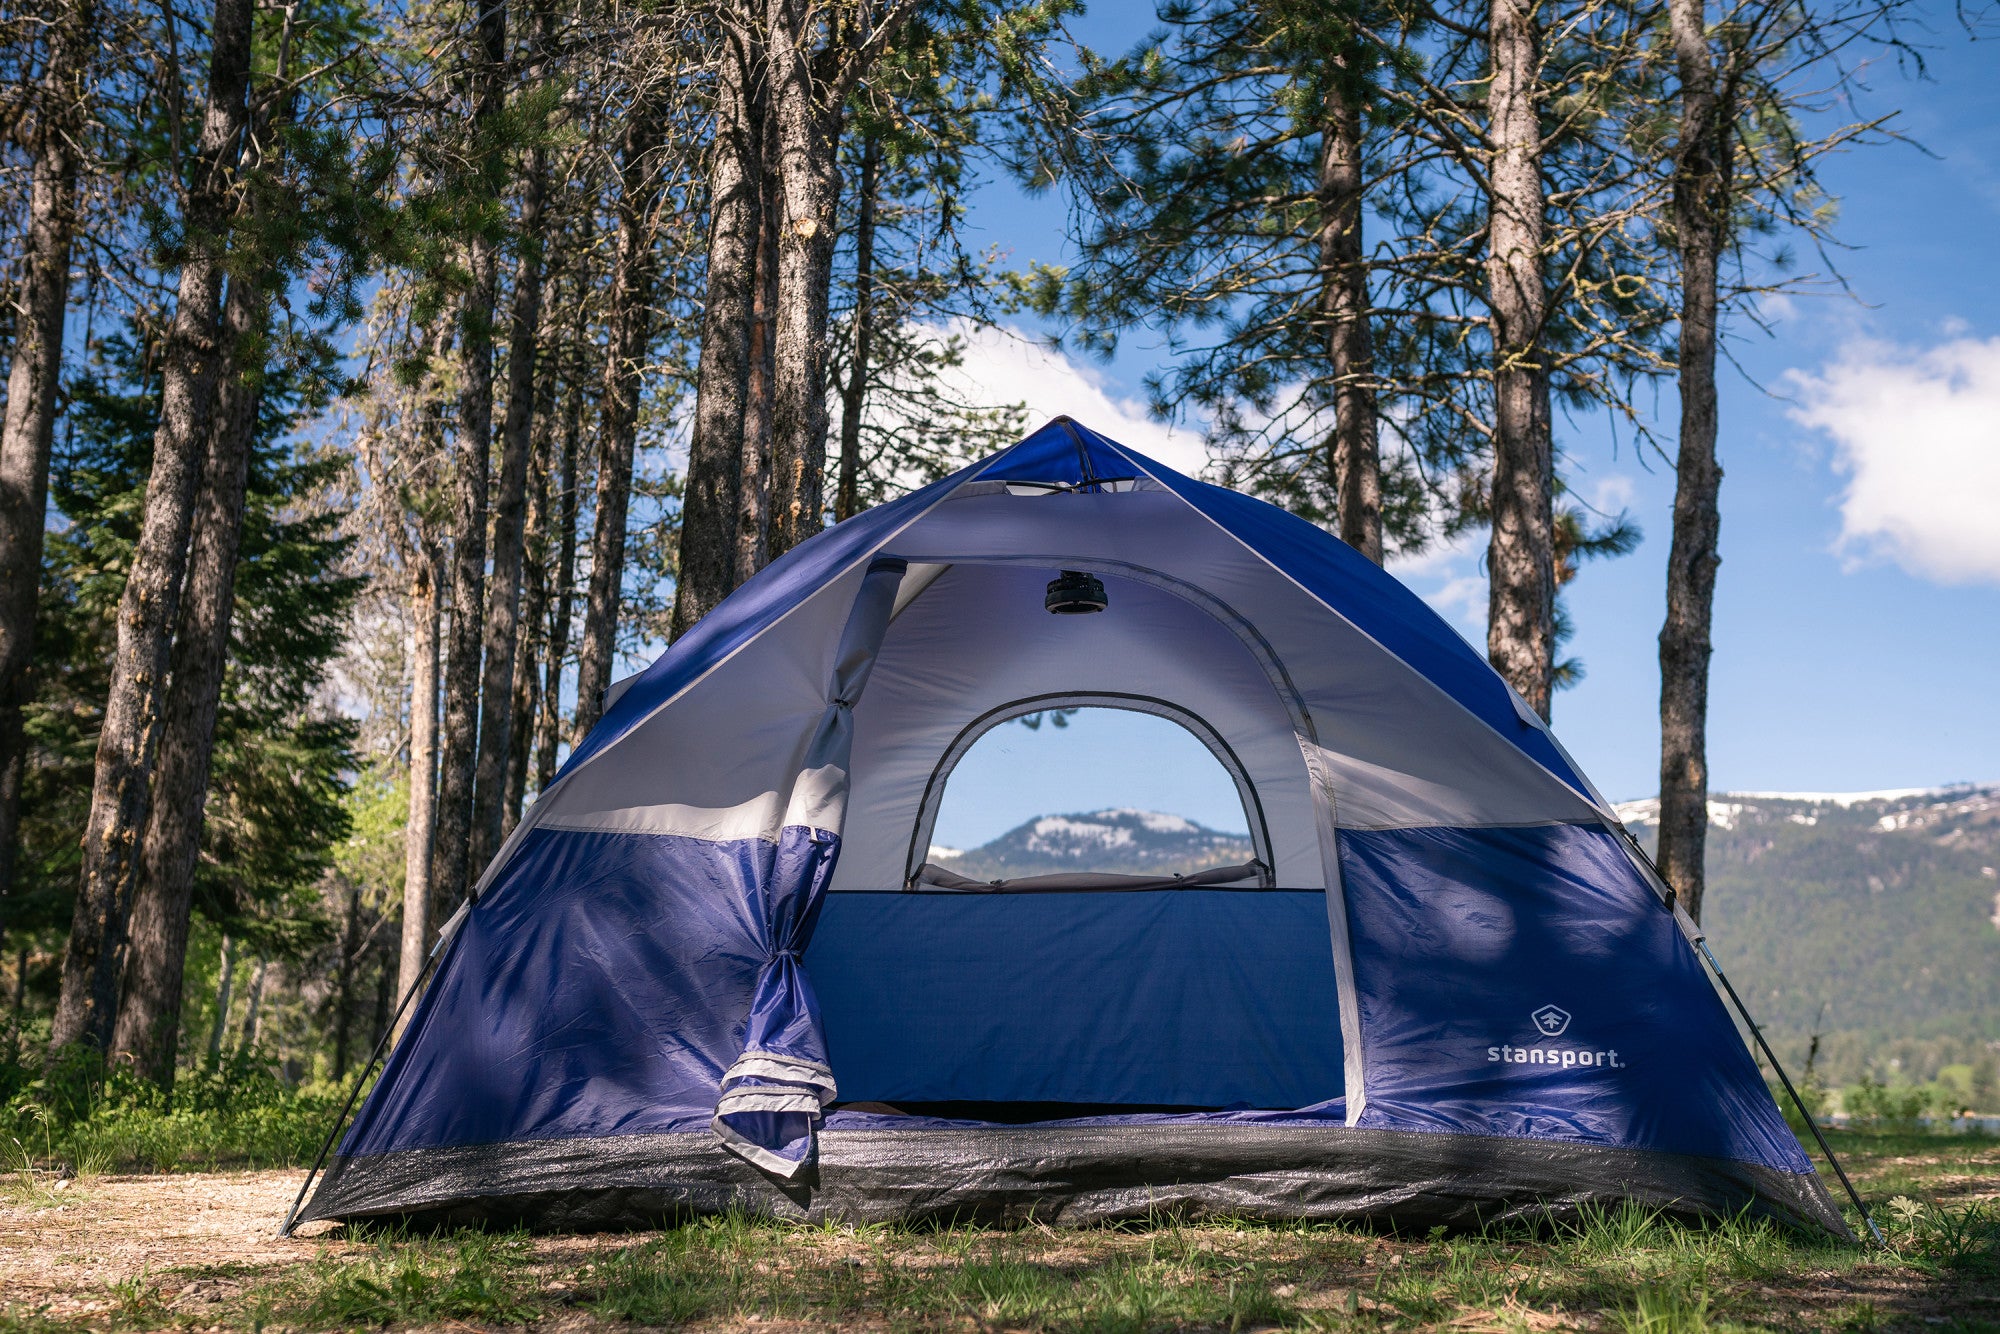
(384,376)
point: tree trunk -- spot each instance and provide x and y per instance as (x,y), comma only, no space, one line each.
(854,394)
(710,498)
(150,606)
(1356,464)
(253,1001)
(631,333)
(225,982)
(148,1026)
(20,1003)
(382,999)
(808,136)
(753,526)
(1520,560)
(534,614)
(343,981)
(1701,217)
(451,865)
(503,623)
(418,832)
(561,612)
(33,382)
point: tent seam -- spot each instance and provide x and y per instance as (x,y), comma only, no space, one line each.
(528,820)
(1588,797)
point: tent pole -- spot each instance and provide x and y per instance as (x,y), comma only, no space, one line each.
(333,1131)
(1700,942)
(1798,1102)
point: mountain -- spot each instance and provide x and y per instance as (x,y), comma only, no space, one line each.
(1120,841)
(1869,918)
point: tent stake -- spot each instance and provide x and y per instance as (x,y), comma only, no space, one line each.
(333,1131)
(1798,1102)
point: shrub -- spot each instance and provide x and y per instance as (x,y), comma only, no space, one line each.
(232,1112)
(1872,1101)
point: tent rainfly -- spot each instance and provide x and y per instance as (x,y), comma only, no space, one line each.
(714,968)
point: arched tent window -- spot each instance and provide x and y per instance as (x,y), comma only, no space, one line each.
(1084,791)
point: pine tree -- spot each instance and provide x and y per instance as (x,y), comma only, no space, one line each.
(274,811)
(151,601)
(59,102)
(1740,166)
(1228,168)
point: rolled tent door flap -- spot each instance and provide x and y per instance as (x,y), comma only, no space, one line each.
(775,1094)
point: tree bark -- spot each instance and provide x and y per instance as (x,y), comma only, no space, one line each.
(808,138)
(1356,464)
(1701,217)
(451,865)
(534,615)
(631,333)
(343,981)
(562,609)
(33,383)
(150,606)
(711,496)
(253,1001)
(1520,560)
(753,527)
(20,1003)
(148,1025)
(854,394)
(419,831)
(382,999)
(503,623)
(225,982)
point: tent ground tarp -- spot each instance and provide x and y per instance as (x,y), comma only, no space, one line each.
(1065,1176)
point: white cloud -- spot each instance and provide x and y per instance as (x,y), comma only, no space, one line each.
(1002,366)
(1916,435)
(1611,494)
(1448,576)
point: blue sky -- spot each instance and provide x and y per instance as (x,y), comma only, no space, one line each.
(1857,639)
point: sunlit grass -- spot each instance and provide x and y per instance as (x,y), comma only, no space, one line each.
(1617,1268)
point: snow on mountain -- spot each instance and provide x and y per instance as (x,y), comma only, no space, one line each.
(1157,821)
(1065,836)
(1120,840)
(1871,919)
(1891,808)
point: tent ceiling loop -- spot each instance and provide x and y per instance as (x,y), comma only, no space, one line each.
(1233,620)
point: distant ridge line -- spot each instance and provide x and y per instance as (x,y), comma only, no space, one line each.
(1724,807)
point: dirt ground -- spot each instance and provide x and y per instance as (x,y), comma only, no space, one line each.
(64,1245)
(190,1251)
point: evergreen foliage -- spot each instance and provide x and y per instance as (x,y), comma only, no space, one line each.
(1881,943)
(276,810)
(534,186)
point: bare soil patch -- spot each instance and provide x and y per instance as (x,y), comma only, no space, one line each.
(199,1251)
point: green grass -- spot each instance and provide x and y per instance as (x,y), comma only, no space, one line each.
(79,1120)
(1614,1269)
(400,1280)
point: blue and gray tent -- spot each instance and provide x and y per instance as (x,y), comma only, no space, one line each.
(714,969)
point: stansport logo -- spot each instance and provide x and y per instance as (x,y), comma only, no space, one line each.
(1552,1021)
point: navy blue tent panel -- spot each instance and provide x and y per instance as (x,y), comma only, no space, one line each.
(1468,1000)
(1185,999)
(1526,982)
(600,988)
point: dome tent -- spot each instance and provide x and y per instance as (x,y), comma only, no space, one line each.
(714,969)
